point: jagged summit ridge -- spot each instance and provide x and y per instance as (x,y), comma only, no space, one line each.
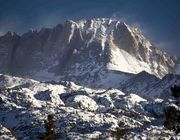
(83,48)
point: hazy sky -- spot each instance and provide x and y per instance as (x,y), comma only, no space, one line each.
(158,19)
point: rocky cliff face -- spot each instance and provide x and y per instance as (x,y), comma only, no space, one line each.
(81,50)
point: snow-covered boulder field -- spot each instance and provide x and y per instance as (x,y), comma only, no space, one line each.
(80,112)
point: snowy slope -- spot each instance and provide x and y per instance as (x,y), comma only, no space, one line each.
(150,87)
(6,134)
(140,84)
(80,112)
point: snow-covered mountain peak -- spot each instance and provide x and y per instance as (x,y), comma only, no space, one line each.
(79,48)
(9,35)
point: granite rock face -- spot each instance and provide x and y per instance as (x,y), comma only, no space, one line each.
(83,49)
